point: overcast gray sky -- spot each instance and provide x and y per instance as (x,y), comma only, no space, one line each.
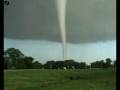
(87,21)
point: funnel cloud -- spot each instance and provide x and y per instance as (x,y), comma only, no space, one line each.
(61,10)
(86,20)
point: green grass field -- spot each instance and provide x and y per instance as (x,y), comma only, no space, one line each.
(44,79)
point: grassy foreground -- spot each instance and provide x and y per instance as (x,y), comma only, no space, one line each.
(40,79)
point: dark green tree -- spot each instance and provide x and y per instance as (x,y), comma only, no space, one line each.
(76,65)
(108,63)
(6,61)
(83,65)
(37,65)
(6,64)
(98,64)
(28,62)
(20,64)
(59,64)
(11,56)
(50,65)
(69,64)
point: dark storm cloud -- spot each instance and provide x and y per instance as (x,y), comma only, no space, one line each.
(86,20)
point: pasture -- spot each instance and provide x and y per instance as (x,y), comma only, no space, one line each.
(53,79)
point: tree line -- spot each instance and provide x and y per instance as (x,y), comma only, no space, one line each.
(15,59)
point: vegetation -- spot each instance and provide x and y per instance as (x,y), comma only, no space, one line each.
(15,59)
(53,79)
(33,75)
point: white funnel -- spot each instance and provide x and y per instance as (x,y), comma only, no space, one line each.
(61,11)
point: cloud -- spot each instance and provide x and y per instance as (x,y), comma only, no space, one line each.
(86,20)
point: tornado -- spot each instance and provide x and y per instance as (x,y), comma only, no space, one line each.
(61,12)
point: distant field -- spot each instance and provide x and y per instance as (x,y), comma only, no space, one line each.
(39,79)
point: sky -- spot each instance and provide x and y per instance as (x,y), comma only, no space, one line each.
(32,26)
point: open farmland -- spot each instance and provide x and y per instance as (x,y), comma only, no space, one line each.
(53,79)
